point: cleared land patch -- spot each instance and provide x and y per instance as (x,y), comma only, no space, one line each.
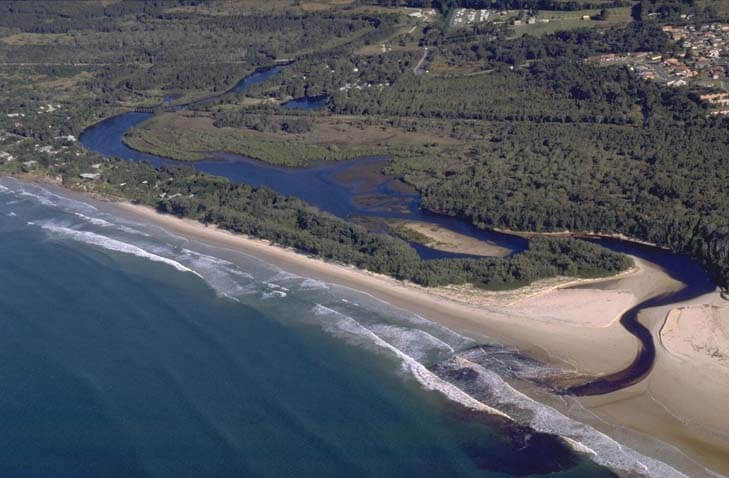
(554,21)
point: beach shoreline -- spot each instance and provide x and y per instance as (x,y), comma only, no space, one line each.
(554,322)
(465,309)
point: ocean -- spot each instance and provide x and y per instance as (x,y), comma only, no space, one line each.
(128,350)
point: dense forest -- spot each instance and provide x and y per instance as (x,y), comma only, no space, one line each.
(663,184)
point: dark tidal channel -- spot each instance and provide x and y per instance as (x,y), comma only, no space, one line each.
(359,189)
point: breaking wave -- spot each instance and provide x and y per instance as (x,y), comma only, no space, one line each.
(313,284)
(348,328)
(460,378)
(488,386)
(110,244)
(97,221)
(46,201)
(51,199)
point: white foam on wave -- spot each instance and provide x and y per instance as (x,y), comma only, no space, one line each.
(12,214)
(405,317)
(348,328)
(583,438)
(249,289)
(241,273)
(416,343)
(48,198)
(3,189)
(221,275)
(97,221)
(272,285)
(94,220)
(313,284)
(112,245)
(412,345)
(274,294)
(282,275)
(38,197)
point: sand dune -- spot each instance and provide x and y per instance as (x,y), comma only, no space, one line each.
(699,334)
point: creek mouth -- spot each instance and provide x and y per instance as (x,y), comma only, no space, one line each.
(679,267)
(358,189)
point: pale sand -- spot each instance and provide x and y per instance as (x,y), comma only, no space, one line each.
(700,334)
(556,324)
(685,399)
(480,314)
(444,239)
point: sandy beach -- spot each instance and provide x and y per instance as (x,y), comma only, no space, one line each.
(685,399)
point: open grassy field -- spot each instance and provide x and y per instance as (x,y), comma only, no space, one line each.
(38,39)
(321,5)
(409,33)
(559,21)
(234,7)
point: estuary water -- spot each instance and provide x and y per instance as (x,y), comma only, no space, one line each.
(128,350)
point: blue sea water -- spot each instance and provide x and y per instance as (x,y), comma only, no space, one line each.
(126,350)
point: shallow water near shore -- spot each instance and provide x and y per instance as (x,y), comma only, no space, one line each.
(166,356)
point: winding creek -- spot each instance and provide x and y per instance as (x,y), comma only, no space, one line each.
(358,189)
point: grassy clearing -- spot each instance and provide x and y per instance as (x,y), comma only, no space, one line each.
(65,84)
(324,5)
(191,138)
(38,39)
(393,43)
(559,21)
(234,7)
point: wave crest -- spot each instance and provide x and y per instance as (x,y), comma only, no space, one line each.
(112,245)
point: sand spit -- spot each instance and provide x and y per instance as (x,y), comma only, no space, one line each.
(444,239)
